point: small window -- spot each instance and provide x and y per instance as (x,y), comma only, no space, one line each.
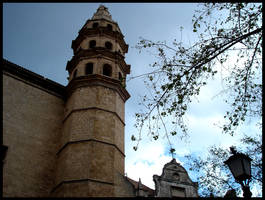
(92,43)
(3,152)
(95,25)
(120,77)
(75,72)
(89,68)
(177,192)
(176,176)
(109,26)
(107,71)
(108,45)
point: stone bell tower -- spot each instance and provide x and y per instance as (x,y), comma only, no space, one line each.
(91,152)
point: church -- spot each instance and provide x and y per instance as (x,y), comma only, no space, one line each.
(68,141)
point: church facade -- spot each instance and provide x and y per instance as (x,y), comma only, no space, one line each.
(68,141)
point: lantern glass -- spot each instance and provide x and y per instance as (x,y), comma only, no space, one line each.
(239,165)
(247,167)
(236,167)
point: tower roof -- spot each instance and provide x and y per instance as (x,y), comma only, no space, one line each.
(102,13)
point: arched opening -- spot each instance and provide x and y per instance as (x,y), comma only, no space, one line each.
(107,70)
(95,25)
(89,68)
(120,77)
(3,152)
(108,45)
(109,26)
(176,176)
(92,43)
(75,72)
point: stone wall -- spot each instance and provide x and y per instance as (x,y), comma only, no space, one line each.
(32,121)
(123,188)
(92,143)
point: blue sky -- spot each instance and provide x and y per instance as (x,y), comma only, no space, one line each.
(38,37)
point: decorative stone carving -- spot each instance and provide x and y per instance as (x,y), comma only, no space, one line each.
(174,182)
(102,13)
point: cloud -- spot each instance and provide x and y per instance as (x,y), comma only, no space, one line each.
(147,161)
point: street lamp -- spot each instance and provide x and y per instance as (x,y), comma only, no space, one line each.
(240,166)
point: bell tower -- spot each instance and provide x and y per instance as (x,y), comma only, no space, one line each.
(91,151)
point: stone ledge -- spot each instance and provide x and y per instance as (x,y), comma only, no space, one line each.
(92,108)
(88,140)
(79,180)
(98,80)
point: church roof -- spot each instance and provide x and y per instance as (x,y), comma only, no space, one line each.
(102,13)
(31,77)
(136,185)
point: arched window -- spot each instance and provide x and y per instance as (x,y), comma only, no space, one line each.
(108,45)
(89,68)
(92,43)
(75,72)
(176,176)
(109,26)
(120,77)
(3,152)
(107,71)
(95,25)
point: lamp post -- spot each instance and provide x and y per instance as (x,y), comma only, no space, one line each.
(240,166)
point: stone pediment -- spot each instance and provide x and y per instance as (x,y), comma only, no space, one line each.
(174,172)
(174,181)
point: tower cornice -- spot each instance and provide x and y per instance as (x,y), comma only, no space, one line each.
(98,80)
(103,31)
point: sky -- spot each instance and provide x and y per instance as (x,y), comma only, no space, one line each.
(38,37)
